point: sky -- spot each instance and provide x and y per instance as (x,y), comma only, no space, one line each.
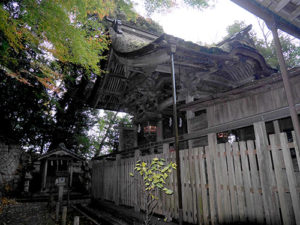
(207,26)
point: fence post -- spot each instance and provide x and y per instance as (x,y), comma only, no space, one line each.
(117,178)
(137,201)
(265,172)
(76,220)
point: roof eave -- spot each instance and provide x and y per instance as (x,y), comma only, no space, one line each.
(269,17)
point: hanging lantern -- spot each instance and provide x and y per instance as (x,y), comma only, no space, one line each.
(139,128)
(170,122)
(150,131)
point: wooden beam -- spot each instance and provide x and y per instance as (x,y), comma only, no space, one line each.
(258,86)
(267,116)
(295,14)
(219,80)
(168,102)
(154,58)
(280,5)
(189,65)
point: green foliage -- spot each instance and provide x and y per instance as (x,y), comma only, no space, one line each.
(69,31)
(163,5)
(154,177)
(234,28)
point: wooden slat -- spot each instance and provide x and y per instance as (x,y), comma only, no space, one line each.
(259,211)
(265,172)
(275,141)
(291,176)
(192,161)
(211,183)
(227,174)
(183,187)
(219,182)
(239,182)
(219,187)
(204,190)
(189,193)
(247,183)
(296,150)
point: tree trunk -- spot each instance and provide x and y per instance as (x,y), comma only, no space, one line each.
(112,122)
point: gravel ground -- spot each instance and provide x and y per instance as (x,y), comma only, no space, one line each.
(26,214)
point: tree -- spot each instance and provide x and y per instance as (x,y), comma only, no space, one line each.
(105,135)
(266,46)
(25,114)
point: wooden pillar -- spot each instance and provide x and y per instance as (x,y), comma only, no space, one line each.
(135,136)
(137,202)
(286,82)
(45,174)
(121,139)
(266,173)
(175,127)
(71,174)
(159,131)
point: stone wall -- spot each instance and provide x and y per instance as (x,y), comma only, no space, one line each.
(9,162)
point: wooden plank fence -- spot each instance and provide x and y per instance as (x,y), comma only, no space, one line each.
(222,183)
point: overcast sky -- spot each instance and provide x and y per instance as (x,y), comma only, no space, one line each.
(207,26)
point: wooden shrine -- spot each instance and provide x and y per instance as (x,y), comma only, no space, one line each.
(62,164)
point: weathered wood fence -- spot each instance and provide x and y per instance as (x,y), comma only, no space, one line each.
(222,183)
